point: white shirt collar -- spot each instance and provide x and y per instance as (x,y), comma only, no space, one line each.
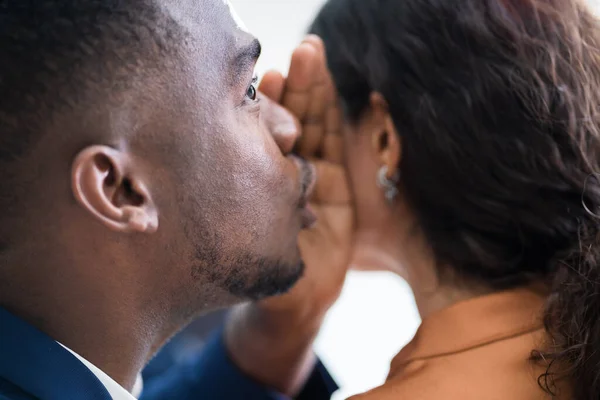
(116,391)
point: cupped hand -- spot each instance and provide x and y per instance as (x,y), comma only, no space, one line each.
(309,94)
(271,340)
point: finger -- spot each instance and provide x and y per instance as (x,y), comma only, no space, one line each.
(332,143)
(299,81)
(331,187)
(302,67)
(333,150)
(320,98)
(312,134)
(272,85)
(316,41)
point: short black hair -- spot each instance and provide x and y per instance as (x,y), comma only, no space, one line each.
(58,55)
(52,51)
(497,105)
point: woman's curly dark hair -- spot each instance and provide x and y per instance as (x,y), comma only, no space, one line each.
(573,318)
(497,103)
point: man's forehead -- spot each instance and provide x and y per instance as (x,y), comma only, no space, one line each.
(219,42)
(199,15)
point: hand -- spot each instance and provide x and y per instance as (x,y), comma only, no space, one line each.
(272,340)
(310,95)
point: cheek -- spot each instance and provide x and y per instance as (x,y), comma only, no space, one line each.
(259,169)
(261,182)
(234,179)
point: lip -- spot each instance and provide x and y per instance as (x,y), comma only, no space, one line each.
(308,180)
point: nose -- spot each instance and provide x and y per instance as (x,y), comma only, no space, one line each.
(282,125)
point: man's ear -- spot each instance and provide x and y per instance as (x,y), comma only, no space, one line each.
(385,140)
(105,183)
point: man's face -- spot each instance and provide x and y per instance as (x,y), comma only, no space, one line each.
(230,198)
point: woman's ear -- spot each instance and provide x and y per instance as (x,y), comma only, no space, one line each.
(385,140)
(106,183)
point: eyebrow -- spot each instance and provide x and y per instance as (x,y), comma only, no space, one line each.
(246,58)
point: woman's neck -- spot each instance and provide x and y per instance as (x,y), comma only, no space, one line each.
(417,265)
(430,301)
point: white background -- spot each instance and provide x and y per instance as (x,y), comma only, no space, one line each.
(375,315)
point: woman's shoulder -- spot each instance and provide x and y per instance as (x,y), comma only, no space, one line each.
(503,368)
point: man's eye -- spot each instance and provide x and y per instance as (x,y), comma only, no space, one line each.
(252,93)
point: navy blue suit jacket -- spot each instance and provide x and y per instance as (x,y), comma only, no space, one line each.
(33,366)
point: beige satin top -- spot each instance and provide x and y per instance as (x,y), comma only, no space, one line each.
(478,349)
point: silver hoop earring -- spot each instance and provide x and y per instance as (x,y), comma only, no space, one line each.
(389,185)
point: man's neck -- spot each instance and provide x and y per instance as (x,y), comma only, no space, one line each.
(114,332)
(118,349)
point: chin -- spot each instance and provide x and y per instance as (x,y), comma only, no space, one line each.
(270,278)
(276,281)
(249,276)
